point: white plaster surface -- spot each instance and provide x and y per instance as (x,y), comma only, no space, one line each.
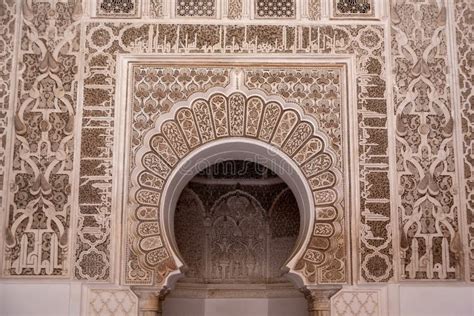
(418,300)
(57,299)
(235,307)
(40,299)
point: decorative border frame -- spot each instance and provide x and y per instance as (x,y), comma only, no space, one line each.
(126,62)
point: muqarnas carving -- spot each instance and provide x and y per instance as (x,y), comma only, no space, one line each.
(272,9)
(117,8)
(353,8)
(196,8)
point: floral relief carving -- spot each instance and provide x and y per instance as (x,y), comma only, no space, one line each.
(353,8)
(428,206)
(464,10)
(117,8)
(234,9)
(243,237)
(8,18)
(38,225)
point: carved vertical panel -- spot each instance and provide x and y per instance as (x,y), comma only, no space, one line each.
(38,225)
(314,9)
(427,203)
(8,19)
(464,12)
(234,9)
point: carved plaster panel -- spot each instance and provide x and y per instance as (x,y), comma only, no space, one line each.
(104,41)
(236,231)
(37,240)
(275,9)
(204,120)
(110,302)
(428,206)
(358,302)
(8,29)
(350,9)
(196,8)
(117,8)
(464,11)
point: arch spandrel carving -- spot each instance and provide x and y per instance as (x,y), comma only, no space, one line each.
(152,255)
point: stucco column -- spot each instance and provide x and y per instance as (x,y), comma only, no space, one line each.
(319,300)
(150,301)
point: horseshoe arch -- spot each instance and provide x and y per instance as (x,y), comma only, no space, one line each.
(243,126)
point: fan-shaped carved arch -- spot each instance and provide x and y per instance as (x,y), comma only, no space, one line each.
(223,116)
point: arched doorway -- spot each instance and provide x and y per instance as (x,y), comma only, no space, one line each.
(236,224)
(234,126)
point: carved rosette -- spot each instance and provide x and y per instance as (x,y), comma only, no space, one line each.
(235,115)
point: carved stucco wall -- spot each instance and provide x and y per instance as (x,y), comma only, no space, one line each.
(413,108)
(240,231)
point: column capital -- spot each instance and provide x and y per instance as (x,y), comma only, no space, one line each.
(150,300)
(319,299)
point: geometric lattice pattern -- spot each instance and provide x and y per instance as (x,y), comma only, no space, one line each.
(275,9)
(195,8)
(356,303)
(105,302)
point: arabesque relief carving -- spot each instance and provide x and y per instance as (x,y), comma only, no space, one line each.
(238,231)
(8,19)
(37,240)
(464,10)
(428,208)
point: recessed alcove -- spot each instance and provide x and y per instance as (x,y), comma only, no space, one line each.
(236,224)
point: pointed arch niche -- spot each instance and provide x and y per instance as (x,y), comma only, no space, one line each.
(179,116)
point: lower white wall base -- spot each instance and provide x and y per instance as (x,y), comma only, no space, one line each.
(42,298)
(235,307)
